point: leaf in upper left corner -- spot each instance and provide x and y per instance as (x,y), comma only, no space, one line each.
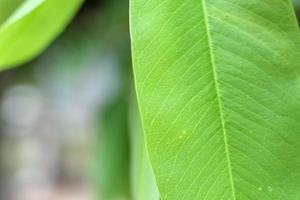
(28,27)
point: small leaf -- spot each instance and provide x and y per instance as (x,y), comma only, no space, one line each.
(31,27)
(7,7)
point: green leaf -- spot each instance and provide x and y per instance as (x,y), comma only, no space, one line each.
(31,27)
(218,85)
(7,7)
(142,177)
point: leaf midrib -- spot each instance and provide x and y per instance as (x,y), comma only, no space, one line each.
(215,76)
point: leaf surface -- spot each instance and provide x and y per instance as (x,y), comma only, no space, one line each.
(29,26)
(219,94)
(142,178)
(7,7)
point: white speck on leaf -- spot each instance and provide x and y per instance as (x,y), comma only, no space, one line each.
(270,189)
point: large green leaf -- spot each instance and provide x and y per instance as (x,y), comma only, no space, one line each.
(142,177)
(30,28)
(218,86)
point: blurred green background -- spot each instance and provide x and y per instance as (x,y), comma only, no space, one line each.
(65,128)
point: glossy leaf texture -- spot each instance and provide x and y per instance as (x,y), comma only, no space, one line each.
(218,85)
(27,27)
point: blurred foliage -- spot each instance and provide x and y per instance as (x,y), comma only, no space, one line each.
(297,8)
(296,3)
(40,21)
(114,155)
(88,65)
